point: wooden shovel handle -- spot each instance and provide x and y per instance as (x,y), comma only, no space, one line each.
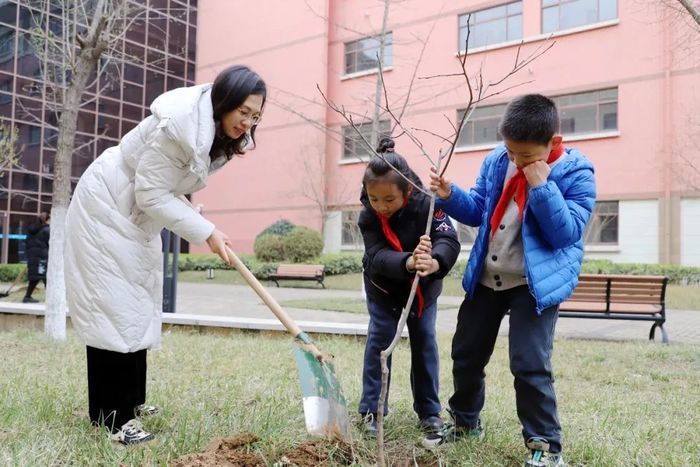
(269,300)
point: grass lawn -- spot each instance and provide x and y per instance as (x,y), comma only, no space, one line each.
(348,305)
(629,403)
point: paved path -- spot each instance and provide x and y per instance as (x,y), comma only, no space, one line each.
(240,301)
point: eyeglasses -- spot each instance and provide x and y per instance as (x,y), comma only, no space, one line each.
(253,119)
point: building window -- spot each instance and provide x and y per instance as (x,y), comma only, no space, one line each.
(491,26)
(603,225)
(350,231)
(34,135)
(353,145)
(361,55)
(558,15)
(588,112)
(482,126)
(466,234)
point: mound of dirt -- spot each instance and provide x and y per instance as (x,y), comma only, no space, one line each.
(240,451)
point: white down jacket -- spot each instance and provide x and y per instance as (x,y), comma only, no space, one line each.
(113,258)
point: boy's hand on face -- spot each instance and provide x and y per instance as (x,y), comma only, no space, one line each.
(536,173)
(440,185)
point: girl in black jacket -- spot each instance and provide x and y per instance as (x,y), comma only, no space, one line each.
(396,253)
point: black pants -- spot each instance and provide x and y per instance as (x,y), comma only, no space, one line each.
(530,341)
(116,386)
(32,285)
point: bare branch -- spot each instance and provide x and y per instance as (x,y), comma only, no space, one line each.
(415,72)
(444,140)
(348,118)
(387,109)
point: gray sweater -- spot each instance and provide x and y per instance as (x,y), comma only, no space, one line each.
(504,267)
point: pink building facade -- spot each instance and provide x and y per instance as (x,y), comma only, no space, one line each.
(625,74)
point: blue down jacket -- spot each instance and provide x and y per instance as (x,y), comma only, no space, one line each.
(554,222)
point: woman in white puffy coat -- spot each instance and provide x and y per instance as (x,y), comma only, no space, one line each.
(113,256)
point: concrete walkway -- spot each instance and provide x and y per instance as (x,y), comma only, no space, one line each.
(237,306)
(683,326)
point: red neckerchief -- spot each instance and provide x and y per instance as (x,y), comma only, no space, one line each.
(517,187)
(396,245)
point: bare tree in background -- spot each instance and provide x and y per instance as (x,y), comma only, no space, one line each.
(80,52)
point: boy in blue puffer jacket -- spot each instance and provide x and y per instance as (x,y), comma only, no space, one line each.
(531,202)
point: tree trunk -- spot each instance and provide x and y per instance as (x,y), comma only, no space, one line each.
(55,320)
(378,88)
(692,10)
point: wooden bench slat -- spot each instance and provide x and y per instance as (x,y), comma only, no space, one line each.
(596,307)
(634,299)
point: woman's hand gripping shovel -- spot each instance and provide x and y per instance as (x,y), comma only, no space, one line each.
(325,409)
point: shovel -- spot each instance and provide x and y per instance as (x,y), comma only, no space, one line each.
(17,279)
(325,409)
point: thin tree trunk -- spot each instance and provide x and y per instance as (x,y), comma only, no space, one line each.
(55,321)
(90,51)
(378,91)
(692,10)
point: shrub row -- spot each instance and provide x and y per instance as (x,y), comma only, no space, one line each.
(8,272)
(683,275)
(336,263)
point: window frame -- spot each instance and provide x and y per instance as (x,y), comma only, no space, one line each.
(558,5)
(355,50)
(598,103)
(353,216)
(593,223)
(349,133)
(460,27)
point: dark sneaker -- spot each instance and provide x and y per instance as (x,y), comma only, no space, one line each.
(29,300)
(451,433)
(144,410)
(540,456)
(131,432)
(369,425)
(431,424)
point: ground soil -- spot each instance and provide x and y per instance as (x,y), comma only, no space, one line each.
(241,451)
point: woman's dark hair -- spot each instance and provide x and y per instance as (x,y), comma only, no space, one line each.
(230,90)
(532,118)
(378,169)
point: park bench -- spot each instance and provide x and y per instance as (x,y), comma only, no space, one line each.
(606,296)
(299,272)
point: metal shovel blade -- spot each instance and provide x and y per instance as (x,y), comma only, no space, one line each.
(325,409)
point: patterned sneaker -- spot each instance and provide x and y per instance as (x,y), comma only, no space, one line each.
(431,424)
(451,433)
(132,432)
(540,456)
(144,410)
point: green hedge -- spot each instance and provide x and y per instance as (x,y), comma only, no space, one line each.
(683,275)
(269,247)
(8,272)
(302,244)
(336,263)
(281,227)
